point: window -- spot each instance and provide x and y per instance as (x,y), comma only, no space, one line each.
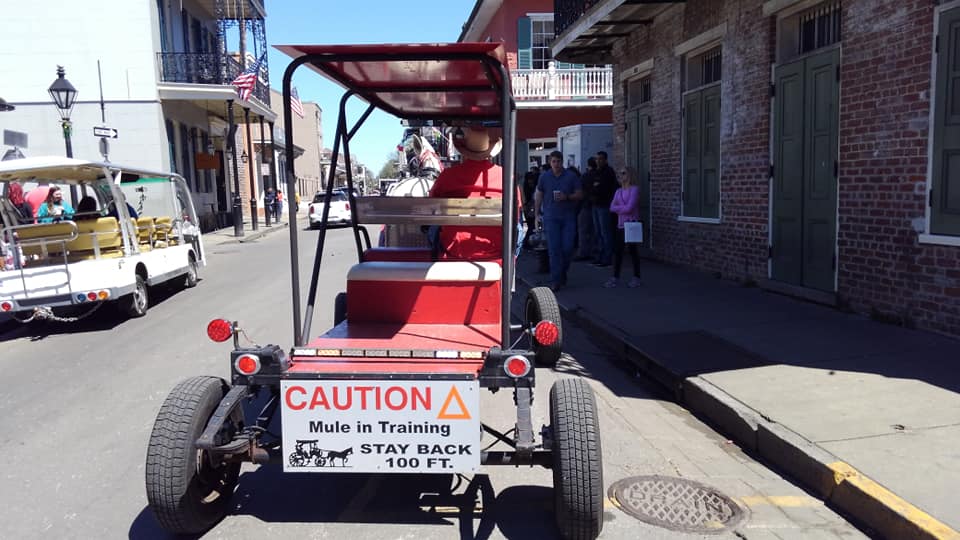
(638,92)
(945,137)
(162,16)
(701,135)
(534,37)
(819,27)
(186,164)
(172,146)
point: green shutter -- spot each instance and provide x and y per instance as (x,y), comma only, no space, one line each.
(524,43)
(692,181)
(710,153)
(945,199)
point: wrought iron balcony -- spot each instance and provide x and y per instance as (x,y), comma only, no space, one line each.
(566,13)
(586,84)
(207,68)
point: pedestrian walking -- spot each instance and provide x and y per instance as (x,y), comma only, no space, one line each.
(270,203)
(626,206)
(555,203)
(604,186)
(587,242)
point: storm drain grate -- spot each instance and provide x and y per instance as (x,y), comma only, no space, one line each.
(676,504)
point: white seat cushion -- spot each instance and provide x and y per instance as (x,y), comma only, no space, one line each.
(425,271)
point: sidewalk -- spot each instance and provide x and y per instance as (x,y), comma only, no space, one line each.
(865,415)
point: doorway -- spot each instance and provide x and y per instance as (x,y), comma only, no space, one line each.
(637,149)
(805,171)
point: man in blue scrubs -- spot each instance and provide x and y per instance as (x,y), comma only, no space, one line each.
(555,202)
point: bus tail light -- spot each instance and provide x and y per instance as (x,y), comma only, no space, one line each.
(220,330)
(546,333)
(516,366)
(247,364)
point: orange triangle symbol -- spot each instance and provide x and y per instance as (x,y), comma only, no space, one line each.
(453,395)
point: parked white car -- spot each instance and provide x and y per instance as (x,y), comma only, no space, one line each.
(339,209)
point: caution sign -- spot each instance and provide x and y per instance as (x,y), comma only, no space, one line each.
(381,426)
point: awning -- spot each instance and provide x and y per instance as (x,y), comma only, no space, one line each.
(589,39)
(416,81)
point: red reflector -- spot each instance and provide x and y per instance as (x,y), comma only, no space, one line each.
(546,333)
(219,330)
(347,205)
(6,306)
(516,366)
(248,364)
(91,296)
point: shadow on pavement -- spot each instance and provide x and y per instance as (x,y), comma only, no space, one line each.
(469,504)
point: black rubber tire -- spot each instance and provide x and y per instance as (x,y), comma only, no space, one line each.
(340,308)
(577,460)
(136,303)
(542,305)
(184,497)
(193,273)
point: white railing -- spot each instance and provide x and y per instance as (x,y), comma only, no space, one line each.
(562,84)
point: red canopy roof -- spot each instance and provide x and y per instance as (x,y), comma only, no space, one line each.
(426,81)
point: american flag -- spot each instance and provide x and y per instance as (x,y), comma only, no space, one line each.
(247,81)
(295,102)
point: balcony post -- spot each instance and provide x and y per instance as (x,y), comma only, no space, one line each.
(552,80)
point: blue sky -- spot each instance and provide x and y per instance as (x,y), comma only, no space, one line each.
(298,22)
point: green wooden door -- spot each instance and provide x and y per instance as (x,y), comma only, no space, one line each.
(637,146)
(805,171)
(691,154)
(945,198)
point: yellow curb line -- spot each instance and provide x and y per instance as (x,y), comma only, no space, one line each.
(844,473)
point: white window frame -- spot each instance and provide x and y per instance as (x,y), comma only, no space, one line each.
(928,237)
(688,49)
(534,19)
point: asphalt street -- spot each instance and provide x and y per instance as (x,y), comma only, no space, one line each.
(79,401)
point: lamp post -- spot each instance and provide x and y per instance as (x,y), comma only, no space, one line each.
(64,96)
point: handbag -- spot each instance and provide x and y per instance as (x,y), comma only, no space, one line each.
(633,232)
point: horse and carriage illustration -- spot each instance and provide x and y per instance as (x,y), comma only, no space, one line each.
(306,453)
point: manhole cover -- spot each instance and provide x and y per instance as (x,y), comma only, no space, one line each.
(676,504)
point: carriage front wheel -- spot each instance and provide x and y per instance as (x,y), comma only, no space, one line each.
(542,305)
(577,460)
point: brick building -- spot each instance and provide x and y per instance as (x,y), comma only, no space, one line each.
(810,146)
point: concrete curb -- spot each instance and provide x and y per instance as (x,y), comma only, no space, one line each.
(254,235)
(862,499)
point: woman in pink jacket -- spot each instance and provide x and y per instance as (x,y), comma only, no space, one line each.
(626,206)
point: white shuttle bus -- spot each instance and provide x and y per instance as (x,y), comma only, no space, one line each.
(127,230)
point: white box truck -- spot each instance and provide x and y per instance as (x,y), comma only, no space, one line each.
(579,142)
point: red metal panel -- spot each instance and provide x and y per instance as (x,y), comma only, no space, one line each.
(460,337)
(374,69)
(468,302)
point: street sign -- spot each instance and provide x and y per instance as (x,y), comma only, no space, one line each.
(105,132)
(14,138)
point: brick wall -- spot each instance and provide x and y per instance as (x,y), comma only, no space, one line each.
(884,126)
(884,122)
(737,247)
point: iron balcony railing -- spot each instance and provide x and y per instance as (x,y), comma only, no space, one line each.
(208,68)
(566,13)
(562,84)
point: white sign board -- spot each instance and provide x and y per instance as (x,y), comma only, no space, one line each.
(381,426)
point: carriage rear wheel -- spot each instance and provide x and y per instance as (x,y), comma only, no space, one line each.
(187,489)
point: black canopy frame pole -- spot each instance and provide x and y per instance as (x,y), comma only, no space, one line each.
(507,115)
(341,137)
(350,187)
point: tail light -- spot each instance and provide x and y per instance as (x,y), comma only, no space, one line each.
(347,205)
(91,296)
(546,333)
(247,364)
(220,330)
(103,295)
(6,306)
(516,366)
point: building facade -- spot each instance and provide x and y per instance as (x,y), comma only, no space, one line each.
(166,71)
(810,146)
(549,93)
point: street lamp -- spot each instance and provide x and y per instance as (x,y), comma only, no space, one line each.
(64,96)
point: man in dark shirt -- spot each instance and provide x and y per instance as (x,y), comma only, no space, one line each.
(604,187)
(558,192)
